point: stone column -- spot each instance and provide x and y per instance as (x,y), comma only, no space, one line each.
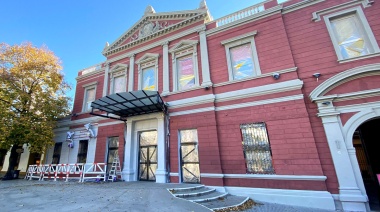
(131,72)
(165,58)
(128,172)
(105,84)
(349,192)
(206,79)
(161,173)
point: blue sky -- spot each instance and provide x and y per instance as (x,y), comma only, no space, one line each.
(76,30)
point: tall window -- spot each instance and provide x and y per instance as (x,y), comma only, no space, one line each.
(186,76)
(185,65)
(149,79)
(82,151)
(118,84)
(351,34)
(57,153)
(256,147)
(148,70)
(242,58)
(89,97)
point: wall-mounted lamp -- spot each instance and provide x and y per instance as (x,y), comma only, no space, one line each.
(317,75)
(276,76)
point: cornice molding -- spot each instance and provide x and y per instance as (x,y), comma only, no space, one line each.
(316,16)
(90,74)
(300,5)
(155,44)
(114,49)
(260,90)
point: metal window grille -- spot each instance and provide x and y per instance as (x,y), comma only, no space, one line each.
(256,148)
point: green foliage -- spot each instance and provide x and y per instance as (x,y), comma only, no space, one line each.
(32,96)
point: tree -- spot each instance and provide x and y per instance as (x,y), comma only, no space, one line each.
(32,98)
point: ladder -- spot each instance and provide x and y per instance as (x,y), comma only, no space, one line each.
(115,171)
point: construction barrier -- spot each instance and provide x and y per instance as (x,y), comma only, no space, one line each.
(78,171)
(94,171)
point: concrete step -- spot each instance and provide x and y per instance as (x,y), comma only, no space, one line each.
(228,201)
(206,197)
(212,199)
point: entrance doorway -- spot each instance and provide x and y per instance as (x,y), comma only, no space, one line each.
(113,148)
(148,155)
(366,140)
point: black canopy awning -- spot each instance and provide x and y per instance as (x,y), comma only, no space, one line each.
(128,104)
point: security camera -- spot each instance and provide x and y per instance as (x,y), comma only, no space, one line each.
(276,76)
(316,75)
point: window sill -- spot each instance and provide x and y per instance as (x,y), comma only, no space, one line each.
(255,77)
(182,91)
(359,58)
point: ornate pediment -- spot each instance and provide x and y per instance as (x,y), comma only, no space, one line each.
(154,24)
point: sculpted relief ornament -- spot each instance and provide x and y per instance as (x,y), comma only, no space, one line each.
(149,28)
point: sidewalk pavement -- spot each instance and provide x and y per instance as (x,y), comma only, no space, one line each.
(24,195)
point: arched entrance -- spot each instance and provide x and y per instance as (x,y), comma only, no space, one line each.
(366,141)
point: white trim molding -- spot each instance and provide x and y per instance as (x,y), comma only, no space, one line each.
(343,77)
(352,193)
(302,198)
(316,16)
(265,176)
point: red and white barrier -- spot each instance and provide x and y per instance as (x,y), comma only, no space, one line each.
(94,171)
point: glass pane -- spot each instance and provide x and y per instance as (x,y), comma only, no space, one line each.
(153,154)
(143,172)
(113,142)
(190,173)
(118,84)
(350,37)
(186,77)
(188,136)
(90,97)
(242,62)
(189,153)
(148,138)
(143,155)
(111,155)
(149,79)
(152,171)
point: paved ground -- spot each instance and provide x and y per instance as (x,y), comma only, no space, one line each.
(23,195)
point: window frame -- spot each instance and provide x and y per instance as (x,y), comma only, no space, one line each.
(256,149)
(86,88)
(119,70)
(147,61)
(82,154)
(57,154)
(366,29)
(183,49)
(247,38)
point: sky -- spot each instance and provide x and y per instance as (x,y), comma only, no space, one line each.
(77,30)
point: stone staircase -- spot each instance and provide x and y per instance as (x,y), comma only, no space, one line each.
(212,199)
